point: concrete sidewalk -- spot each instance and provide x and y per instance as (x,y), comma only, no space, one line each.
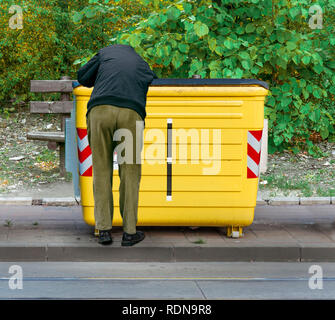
(279,233)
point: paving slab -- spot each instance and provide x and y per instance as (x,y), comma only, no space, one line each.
(327,229)
(271,233)
(307,233)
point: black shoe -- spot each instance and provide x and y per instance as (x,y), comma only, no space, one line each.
(105,237)
(131,239)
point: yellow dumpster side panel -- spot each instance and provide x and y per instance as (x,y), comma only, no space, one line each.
(225,198)
(196,216)
(227,168)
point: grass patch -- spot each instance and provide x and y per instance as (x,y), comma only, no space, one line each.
(299,175)
(286,185)
(8,223)
(199,241)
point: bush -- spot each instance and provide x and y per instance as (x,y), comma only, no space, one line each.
(267,40)
(56,35)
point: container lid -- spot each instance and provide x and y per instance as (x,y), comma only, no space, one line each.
(200,82)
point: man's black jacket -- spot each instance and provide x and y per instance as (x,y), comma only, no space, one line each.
(120,77)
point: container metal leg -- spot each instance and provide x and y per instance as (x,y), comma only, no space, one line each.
(234,232)
(96,232)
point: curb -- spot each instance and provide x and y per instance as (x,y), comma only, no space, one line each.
(21,201)
(279,252)
(277,201)
(71,201)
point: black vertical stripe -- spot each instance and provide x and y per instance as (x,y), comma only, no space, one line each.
(169,165)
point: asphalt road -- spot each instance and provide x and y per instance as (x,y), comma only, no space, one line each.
(215,280)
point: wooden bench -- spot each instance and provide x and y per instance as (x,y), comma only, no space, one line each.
(63,107)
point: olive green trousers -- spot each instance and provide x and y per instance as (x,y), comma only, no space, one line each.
(105,138)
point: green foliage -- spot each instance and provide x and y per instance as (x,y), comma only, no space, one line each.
(57,35)
(267,40)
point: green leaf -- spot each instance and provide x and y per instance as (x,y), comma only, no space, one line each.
(212,44)
(213,65)
(259,30)
(239,73)
(305,94)
(200,29)
(246,64)
(215,74)
(316,94)
(239,30)
(196,65)
(294,11)
(228,44)
(296,60)
(324,132)
(134,40)
(77,17)
(188,26)
(305,109)
(302,83)
(250,28)
(278,140)
(90,12)
(280,36)
(306,59)
(291,45)
(286,101)
(177,60)
(224,31)
(255,70)
(309,88)
(271,101)
(286,87)
(314,116)
(219,50)
(331,64)
(187,7)
(184,48)
(227,72)
(244,55)
(318,68)
(173,13)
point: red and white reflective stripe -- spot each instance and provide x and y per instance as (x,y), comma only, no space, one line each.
(254,153)
(84,153)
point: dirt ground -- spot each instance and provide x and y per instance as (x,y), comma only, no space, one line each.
(301,174)
(26,164)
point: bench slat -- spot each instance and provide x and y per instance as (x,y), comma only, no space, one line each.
(51,107)
(51,86)
(47,136)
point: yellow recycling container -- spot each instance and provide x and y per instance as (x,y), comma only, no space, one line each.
(201,153)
